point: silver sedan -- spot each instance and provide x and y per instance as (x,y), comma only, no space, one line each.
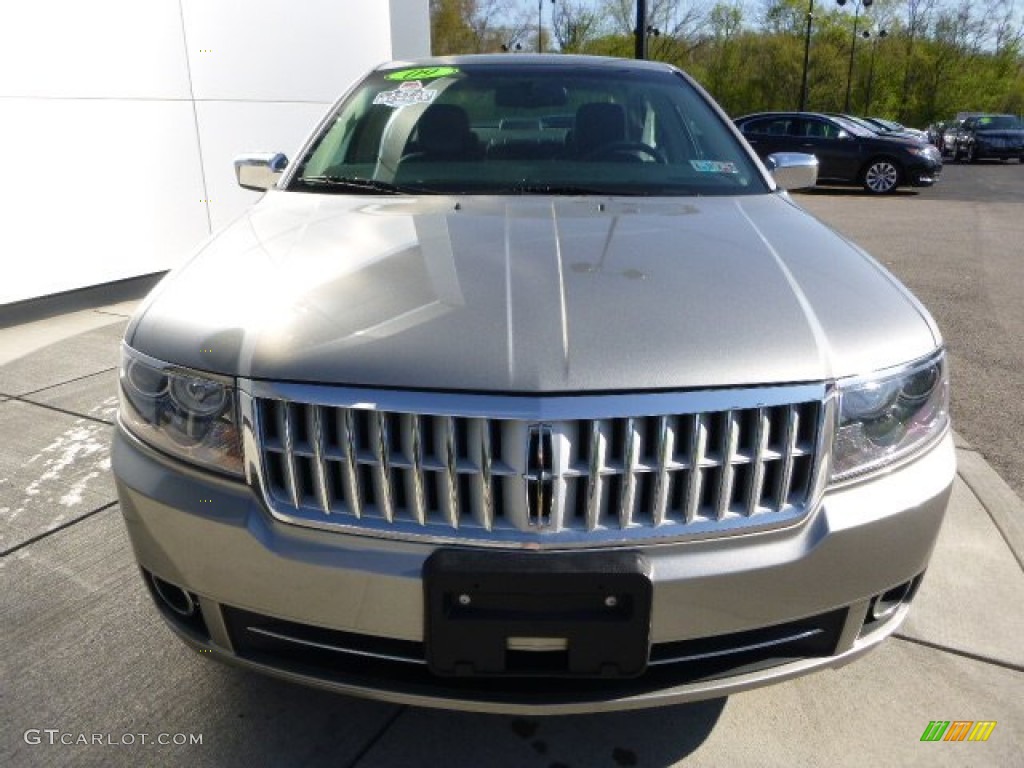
(526,387)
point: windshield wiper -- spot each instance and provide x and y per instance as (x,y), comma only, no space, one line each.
(563,189)
(354,183)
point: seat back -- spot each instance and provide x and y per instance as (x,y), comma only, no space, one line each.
(597,125)
(443,133)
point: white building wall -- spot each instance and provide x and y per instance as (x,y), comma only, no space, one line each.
(120,119)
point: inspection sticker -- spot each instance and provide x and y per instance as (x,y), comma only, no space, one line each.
(408,93)
(422,73)
(713,166)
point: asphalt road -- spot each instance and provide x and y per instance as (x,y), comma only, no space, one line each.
(959,246)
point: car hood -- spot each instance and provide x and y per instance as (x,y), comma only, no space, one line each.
(901,140)
(999,133)
(532,295)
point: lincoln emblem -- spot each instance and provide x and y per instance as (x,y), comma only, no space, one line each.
(539,476)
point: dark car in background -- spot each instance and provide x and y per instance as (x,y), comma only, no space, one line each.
(847,152)
(937,134)
(893,127)
(999,137)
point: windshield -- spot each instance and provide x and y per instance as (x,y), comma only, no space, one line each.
(856,126)
(527,129)
(999,122)
(888,124)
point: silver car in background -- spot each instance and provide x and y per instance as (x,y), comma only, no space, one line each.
(526,387)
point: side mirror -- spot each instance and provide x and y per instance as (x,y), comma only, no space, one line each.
(260,170)
(793,170)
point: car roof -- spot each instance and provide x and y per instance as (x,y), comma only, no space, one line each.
(505,60)
(782,114)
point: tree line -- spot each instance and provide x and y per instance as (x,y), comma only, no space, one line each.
(915,61)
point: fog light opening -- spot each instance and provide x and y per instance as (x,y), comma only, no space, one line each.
(174,597)
(887,603)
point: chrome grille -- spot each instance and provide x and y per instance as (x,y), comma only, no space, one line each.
(377,467)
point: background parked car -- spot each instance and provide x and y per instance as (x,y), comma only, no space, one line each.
(949,137)
(892,125)
(876,126)
(847,152)
(995,136)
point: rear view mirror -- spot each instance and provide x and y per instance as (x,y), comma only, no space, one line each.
(528,95)
(260,170)
(793,170)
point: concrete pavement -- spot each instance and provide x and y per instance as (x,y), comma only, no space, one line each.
(957,246)
(84,654)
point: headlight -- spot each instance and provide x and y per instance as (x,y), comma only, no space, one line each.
(182,412)
(886,418)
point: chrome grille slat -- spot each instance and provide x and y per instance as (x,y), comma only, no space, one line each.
(382,465)
(470,477)
(351,481)
(730,441)
(596,454)
(665,445)
(451,459)
(415,449)
(486,487)
(760,443)
(696,459)
(789,443)
(560,442)
(628,495)
(289,455)
(322,478)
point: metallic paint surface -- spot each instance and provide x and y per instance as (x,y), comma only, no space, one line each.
(532,294)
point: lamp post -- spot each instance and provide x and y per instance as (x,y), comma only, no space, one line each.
(640,51)
(807,56)
(858,4)
(540,23)
(878,35)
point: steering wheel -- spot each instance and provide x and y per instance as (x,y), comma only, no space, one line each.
(623,149)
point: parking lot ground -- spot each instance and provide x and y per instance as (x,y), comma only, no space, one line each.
(84,654)
(958,247)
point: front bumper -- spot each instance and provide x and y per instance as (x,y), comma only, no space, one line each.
(730,601)
(1005,151)
(924,173)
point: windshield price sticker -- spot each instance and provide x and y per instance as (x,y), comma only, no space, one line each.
(422,73)
(713,166)
(406,95)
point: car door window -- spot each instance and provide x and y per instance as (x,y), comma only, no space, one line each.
(777,126)
(811,128)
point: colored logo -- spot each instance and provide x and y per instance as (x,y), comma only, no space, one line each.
(407,94)
(958,730)
(421,73)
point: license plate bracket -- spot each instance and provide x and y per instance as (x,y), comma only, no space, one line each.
(565,614)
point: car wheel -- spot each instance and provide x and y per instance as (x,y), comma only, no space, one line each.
(881,176)
(972,153)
